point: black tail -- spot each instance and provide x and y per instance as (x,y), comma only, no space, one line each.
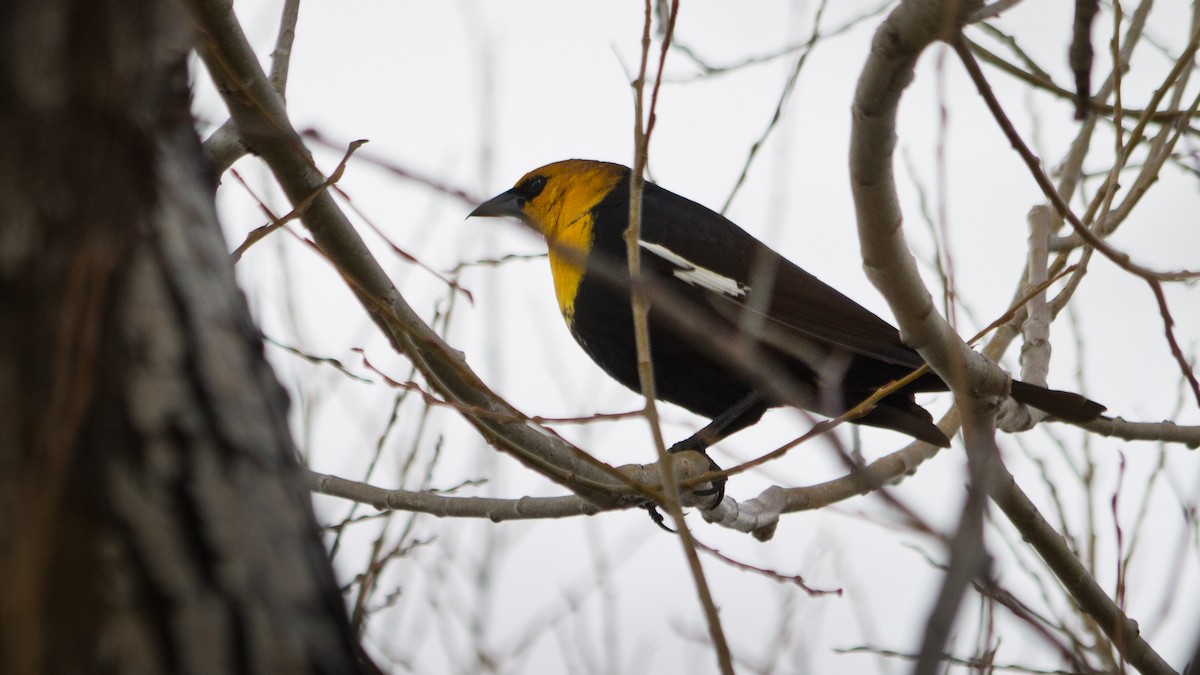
(1065,405)
(900,413)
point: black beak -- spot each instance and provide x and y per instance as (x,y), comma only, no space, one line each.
(504,204)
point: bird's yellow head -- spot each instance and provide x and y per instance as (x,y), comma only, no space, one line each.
(553,198)
(557,201)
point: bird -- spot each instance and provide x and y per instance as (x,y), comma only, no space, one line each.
(707,281)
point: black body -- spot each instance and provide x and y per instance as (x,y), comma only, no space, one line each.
(810,328)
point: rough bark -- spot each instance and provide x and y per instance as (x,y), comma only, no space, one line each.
(153,517)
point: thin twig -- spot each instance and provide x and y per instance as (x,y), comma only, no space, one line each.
(400,252)
(297,211)
(795,580)
(1169,330)
(641,308)
(459,194)
(1120,259)
(784,97)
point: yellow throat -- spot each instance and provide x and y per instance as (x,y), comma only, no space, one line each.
(563,214)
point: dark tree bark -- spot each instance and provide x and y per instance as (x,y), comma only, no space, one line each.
(153,517)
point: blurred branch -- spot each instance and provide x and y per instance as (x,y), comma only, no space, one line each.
(459,194)
(1158,149)
(1152,277)
(993,10)
(262,122)
(317,360)
(433,401)
(784,97)
(888,71)
(1039,79)
(889,264)
(1165,431)
(973,664)
(1120,259)
(1081,54)
(789,579)
(1169,330)
(225,146)
(259,233)
(396,249)
(708,69)
(640,306)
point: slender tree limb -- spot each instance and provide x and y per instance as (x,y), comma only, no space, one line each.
(901,38)
(1007,494)
(281,56)
(225,146)
(780,105)
(1075,577)
(992,10)
(1040,79)
(708,69)
(640,306)
(1165,431)
(404,173)
(495,509)
(276,222)
(1169,330)
(888,70)
(1081,54)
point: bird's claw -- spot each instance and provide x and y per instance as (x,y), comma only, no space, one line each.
(715,489)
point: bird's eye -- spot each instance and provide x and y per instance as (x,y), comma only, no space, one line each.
(533,187)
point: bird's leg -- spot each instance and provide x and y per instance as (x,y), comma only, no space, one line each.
(739,416)
(743,413)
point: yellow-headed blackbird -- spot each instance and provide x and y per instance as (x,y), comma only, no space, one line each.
(730,284)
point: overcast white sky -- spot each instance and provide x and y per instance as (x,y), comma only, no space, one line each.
(474,94)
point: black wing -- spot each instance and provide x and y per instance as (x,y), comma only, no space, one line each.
(799,303)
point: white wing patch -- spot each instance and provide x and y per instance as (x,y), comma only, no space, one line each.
(698,276)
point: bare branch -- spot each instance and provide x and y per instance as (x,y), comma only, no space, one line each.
(640,306)
(1032,162)
(262,120)
(1166,432)
(225,146)
(784,96)
(890,266)
(1081,54)
(685,464)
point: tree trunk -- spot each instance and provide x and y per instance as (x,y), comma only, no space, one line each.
(152,512)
